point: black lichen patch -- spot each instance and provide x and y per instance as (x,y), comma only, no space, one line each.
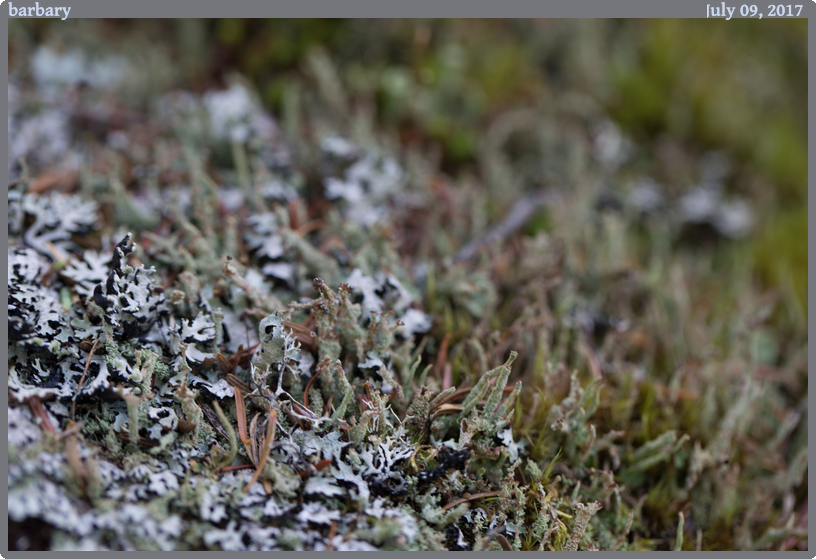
(31,534)
(447,460)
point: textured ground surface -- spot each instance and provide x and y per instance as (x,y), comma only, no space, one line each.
(437,301)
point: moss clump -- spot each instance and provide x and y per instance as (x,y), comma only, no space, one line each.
(324,340)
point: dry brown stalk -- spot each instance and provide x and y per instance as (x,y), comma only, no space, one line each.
(471,498)
(240,412)
(270,436)
(37,409)
(82,379)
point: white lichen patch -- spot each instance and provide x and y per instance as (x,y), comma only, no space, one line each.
(207,341)
(366,186)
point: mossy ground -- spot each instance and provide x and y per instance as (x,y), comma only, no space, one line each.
(662,361)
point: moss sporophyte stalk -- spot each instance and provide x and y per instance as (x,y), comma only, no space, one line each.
(226,334)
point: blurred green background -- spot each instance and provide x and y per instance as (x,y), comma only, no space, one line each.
(736,87)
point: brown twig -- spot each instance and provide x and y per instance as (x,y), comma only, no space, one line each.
(332,533)
(322,465)
(462,391)
(234,467)
(327,407)
(471,498)
(505,545)
(51,180)
(625,531)
(522,211)
(336,243)
(82,379)
(236,382)
(52,248)
(447,377)
(271,424)
(214,420)
(253,435)
(72,429)
(306,391)
(143,441)
(37,409)
(440,361)
(240,412)
(230,365)
(73,457)
(302,332)
(224,363)
(455,395)
(446,409)
(309,226)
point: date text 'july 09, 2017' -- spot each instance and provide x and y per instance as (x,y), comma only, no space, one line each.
(721,10)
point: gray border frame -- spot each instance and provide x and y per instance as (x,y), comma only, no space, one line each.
(399,8)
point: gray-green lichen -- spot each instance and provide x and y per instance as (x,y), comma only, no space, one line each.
(224,337)
(173,405)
